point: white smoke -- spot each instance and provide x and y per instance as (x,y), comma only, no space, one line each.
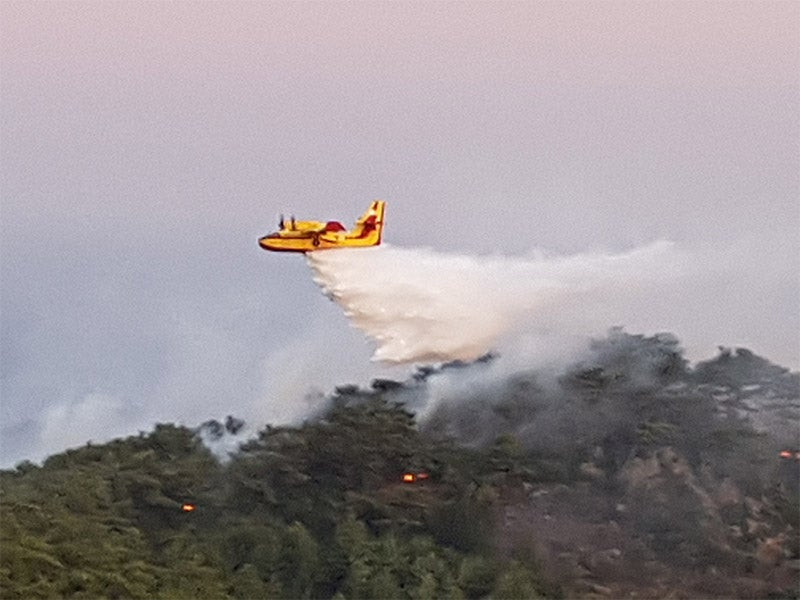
(423,306)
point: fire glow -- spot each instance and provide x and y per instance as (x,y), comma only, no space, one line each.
(414,477)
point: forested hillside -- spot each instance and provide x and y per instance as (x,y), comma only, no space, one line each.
(309,512)
(630,474)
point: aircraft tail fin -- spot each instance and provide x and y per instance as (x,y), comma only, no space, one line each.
(370,224)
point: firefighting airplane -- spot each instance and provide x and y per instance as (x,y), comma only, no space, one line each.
(309,236)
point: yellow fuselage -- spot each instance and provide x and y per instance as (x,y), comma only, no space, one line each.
(309,236)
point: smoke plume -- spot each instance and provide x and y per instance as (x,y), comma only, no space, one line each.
(423,306)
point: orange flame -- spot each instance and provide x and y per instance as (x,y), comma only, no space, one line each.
(187,507)
(409,478)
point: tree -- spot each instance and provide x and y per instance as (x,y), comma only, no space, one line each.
(515,583)
(298,561)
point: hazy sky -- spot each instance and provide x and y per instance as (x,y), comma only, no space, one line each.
(146,146)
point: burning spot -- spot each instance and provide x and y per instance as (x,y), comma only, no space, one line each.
(414,477)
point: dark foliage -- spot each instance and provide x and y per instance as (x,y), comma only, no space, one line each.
(684,462)
(302,512)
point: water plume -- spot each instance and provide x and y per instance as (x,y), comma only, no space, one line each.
(419,305)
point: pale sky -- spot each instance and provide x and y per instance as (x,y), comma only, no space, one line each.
(146,146)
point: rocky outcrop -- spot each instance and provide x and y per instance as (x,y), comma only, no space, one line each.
(657,528)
